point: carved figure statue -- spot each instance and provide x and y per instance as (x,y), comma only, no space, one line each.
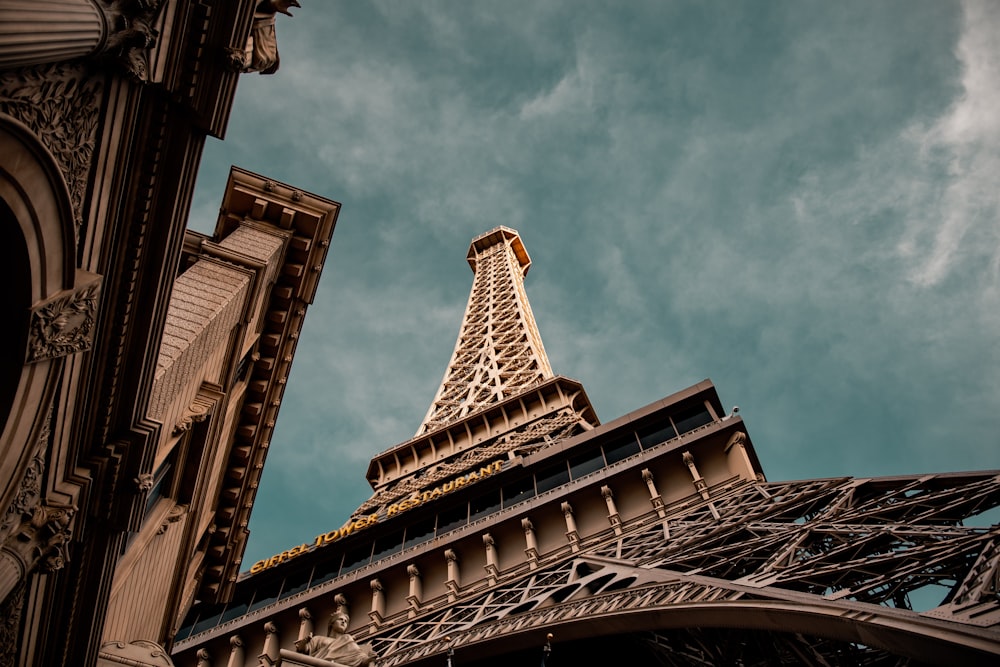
(339,647)
(262,46)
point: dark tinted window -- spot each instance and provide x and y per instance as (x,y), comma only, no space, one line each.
(453,518)
(419,531)
(265,595)
(388,545)
(295,583)
(586,463)
(621,448)
(692,418)
(234,610)
(356,557)
(484,504)
(655,433)
(519,490)
(328,569)
(551,477)
(207,621)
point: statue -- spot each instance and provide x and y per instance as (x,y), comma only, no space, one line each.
(338,647)
(262,46)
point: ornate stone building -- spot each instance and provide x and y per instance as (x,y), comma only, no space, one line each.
(144,366)
(514,527)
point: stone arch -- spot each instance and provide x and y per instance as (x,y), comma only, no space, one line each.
(37,254)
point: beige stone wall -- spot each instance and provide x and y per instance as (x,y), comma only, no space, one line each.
(147,573)
(207,303)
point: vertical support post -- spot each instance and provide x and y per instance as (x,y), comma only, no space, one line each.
(377,614)
(613,516)
(235,651)
(492,572)
(271,653)
(530,542)
(699,482)
(454,583)
(571,533)
(416,590)
(654,495)
(305,624)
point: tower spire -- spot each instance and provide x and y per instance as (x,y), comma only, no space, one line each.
(499,351)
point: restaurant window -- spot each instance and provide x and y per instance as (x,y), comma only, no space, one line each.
(388,545)
(265,595)
(484,504)
(453,518)
(692,418)
(551,477)
(620,449)
(586,463)
(357,557)
(653,434)
(419,531)
(518,491)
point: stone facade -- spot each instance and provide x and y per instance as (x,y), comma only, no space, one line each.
(104,109)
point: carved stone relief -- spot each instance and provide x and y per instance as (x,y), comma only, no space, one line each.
(10,626)
(30,492)
(60,103)
(63,325)
(131,34)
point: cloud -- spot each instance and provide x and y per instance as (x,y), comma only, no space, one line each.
(967,137)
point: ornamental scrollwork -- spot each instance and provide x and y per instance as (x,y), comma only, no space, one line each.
(64,325)
(60,103)
(29,493)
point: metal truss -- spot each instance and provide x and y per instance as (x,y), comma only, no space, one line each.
(525,439)
(824,572)
(499,350)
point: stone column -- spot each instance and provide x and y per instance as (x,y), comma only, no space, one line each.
(530,542)
(377,613)
(41,541)
(416,590)
(204,658)
(305,624)
(271,653)
(492,572)
(654,495)
(49,31)
(45,31)
(453,584)
(699,482)
(613,516)
(235,651)
(571,533)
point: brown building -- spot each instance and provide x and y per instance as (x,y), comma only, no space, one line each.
(514,528)
(145,365)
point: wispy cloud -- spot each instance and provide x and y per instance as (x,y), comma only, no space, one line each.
(967,139)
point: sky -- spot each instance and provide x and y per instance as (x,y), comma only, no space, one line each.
(795,199)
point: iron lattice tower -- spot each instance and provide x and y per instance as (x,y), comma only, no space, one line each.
(499,351)
(514,516)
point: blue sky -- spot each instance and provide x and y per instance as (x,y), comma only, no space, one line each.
(797,200)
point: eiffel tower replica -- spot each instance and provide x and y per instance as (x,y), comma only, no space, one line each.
(516,529)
